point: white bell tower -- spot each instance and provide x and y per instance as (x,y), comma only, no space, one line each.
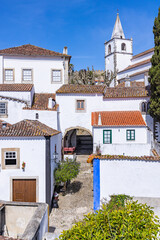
(118,50)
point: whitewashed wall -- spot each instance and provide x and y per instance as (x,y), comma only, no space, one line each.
(120,146)
(69,117)
(33,153)
(14,111)
(131,71)
(25,96)
(132,177)
(47,117)
(142,58)
(41,67)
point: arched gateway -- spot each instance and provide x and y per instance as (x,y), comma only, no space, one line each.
(80,138)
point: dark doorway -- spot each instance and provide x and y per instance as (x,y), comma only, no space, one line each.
(81,139)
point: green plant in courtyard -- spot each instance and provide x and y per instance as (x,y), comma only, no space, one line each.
(129,220)
(66,171)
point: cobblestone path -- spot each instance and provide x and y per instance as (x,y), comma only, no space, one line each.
(77,201)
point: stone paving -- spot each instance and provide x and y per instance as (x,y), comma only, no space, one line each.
(77,201)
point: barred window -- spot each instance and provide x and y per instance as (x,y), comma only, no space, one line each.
(9,75)
(27,75)
(56,75)
(3,108)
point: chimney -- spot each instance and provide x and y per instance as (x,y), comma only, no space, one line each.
(127,81)
(50,103)
(99,119)
(65,50)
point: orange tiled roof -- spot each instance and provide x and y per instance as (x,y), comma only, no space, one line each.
(28,128)
(40,102)
(30,50)
(16,87)
(136,65)
(143,53)
(75,88)
(118,118)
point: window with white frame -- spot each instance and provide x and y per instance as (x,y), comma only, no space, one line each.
(56,76)
(27,75)
(9,76)
(3,109)
(107,136)
(10,158)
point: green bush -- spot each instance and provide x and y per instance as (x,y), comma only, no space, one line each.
(66,171)
(130,221)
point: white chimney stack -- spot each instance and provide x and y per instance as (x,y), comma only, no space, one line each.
(127,81)
(50,102)
(65,50)
(99,119)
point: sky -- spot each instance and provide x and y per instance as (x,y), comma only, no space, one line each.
(81,25)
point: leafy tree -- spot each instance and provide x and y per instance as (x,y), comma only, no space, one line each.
(128,220)
(66,171)
(154,72)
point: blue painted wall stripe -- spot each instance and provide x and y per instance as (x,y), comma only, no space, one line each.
(96,184)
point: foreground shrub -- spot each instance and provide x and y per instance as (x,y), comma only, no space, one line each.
(132,220)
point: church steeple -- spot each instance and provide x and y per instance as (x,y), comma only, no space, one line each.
(118,30)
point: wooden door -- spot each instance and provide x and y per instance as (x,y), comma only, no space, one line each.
(24,190)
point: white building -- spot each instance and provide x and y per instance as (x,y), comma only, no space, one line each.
(30,64)
(119,58)
(120,133)
(27,161)
(77,102)
(118,50)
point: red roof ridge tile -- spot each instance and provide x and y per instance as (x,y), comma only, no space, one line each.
(30,50)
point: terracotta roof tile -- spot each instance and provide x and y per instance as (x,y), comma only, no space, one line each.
(118,118)
(16,87)
(40,102)
(30,50)
(136,65)
(143,53)
(121,157)
(28,128)
(127,92)
(75,88)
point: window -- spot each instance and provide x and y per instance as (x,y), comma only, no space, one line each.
(144,107)
(9,76)
(27,75)
(80,105)
(123,47)
(56,76)
(107,136)
(3,109)
(37,116)
(109,49)
(10,158)
(130,134)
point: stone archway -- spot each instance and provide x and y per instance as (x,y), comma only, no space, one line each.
(80,138)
